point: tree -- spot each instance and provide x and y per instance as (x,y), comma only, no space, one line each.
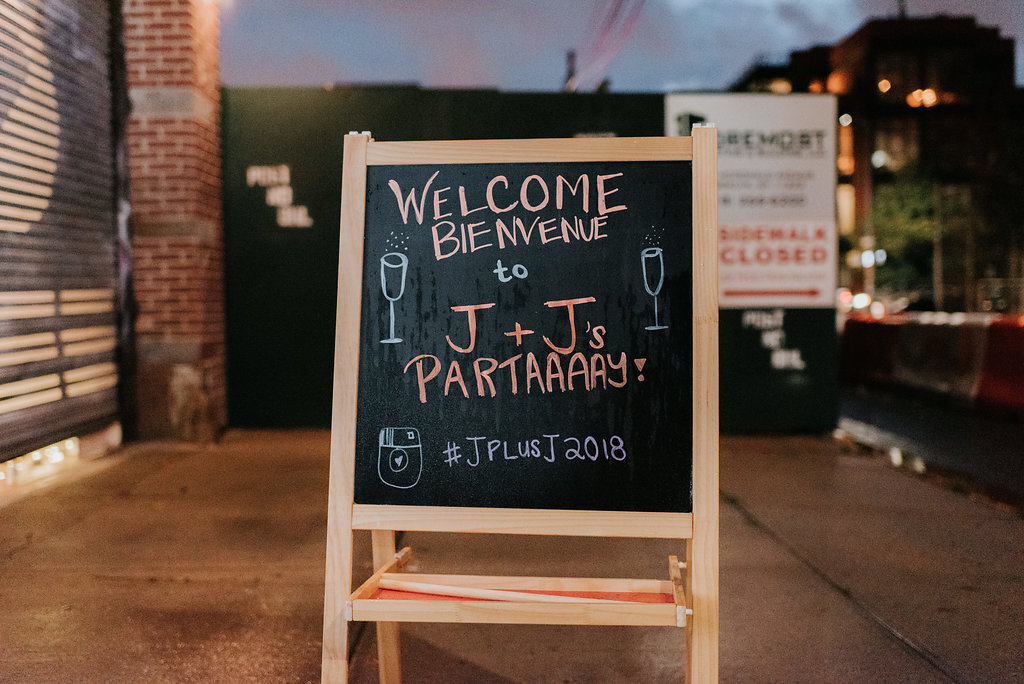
(931,232)
(904,226)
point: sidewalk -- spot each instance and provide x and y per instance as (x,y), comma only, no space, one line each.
(180,564)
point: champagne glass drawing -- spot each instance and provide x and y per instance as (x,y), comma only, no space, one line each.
(393,266)
(654,270)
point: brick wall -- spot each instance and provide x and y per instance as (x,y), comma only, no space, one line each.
(174,158)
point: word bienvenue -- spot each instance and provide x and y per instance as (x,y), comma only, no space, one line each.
(473,451)
(528,209)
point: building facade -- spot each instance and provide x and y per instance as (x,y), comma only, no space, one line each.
(111,247)
(928,126)
(172,55)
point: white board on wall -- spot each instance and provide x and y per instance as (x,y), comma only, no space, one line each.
(776,194)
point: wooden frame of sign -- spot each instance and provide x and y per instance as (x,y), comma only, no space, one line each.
(390,596)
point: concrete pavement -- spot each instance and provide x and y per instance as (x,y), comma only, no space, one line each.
(179,563)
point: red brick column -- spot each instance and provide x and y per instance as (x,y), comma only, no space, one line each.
(175,169)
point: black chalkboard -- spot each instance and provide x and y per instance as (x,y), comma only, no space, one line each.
(572,388)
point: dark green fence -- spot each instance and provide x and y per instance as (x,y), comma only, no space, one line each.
(282,188)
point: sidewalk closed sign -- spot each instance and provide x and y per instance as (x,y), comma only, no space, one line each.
(777,248)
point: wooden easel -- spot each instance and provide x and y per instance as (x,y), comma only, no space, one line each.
(691,587)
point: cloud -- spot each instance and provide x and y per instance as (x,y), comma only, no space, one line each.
(522,44)
(438,43)
(703,44)
(457,60)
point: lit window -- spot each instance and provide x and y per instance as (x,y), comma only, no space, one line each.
(845,204)
(845,160)
(884,85)
(837,83)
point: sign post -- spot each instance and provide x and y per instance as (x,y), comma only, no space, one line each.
(522,327)
(777,254)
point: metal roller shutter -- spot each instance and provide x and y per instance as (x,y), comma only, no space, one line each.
(58,231)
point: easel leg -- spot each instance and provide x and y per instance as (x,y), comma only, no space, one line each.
(689,604)
(334,663)
(388,653)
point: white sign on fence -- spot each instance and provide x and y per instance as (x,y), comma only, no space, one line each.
(776,194)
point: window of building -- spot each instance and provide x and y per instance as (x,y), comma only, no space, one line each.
(896,144)
(845,160)
(948,72)
(846,208)
(896,75)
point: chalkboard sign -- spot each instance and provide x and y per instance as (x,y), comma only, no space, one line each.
(527,343)
(526,336)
